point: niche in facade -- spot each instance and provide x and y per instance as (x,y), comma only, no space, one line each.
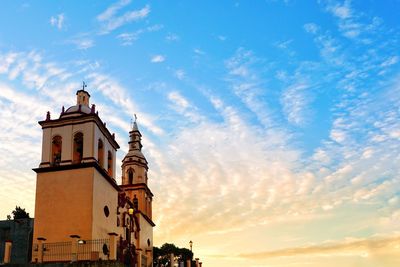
(56,150)
(78,148)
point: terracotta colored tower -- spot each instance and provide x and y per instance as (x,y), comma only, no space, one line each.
(76,191)
(134,184)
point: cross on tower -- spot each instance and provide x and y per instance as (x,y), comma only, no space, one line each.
(133,121)
(84,85)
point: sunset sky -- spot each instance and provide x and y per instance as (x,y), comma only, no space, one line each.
(272,128)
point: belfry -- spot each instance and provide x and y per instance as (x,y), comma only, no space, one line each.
(134,174)
(78,201)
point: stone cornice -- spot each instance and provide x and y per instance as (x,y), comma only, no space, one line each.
(128,187)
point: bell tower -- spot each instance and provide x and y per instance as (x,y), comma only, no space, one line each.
(134,173)
(134,184)
(76,191)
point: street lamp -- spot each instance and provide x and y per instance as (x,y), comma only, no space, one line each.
(130,211)
(133,259)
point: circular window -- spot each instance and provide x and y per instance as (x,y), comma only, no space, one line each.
(106,211)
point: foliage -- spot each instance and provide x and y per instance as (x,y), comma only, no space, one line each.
(20,213)
(162,254)
(169,248)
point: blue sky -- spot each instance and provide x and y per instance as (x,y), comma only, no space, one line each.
(271,124)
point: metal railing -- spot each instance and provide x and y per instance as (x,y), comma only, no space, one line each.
(93,250)
(79,250)
(60,251)
(35,249)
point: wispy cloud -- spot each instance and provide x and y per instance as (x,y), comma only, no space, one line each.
(311,27)
(127,38)
(295,101)
(110,20)
(362,248)
(180,74)
(247,84)
(157,59)
(111,10)
(198,51)
(171,37)
(341,10)
(350,23)
(222,37)
(181,105)
(57,21)
(82,41)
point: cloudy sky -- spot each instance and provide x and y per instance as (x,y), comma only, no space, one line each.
(272,128)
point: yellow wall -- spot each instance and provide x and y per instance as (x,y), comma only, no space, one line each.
(107,147)
(63,204)
(146,232)
(104,194)
(46,145)
(71,202)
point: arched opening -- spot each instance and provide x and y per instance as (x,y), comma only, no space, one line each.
(56,150)
(130,176)
(109,163)
(100,153)
(78,148)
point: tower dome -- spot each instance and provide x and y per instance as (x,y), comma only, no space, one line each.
(82,104)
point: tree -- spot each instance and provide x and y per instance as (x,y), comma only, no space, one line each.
(185,253)
(162,254)
(20,213)
(169,248)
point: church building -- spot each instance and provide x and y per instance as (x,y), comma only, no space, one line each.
(78,200)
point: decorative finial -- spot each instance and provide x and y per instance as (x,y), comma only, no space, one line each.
(135,117)
(84,85)
(48,116)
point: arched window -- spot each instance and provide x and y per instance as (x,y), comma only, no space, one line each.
(100,153)
(56,150)
(110,163)
(130,176)
(78,148)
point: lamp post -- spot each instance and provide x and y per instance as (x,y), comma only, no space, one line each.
(189,261)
